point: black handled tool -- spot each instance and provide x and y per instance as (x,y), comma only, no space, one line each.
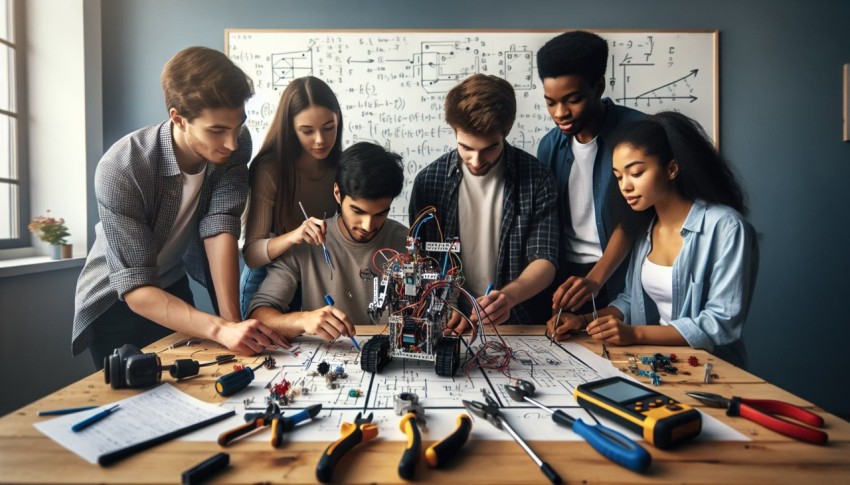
(413,448)
(360,431)
(440,453)
(230,384)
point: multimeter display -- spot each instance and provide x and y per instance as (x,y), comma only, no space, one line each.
(621,392)
(661,420)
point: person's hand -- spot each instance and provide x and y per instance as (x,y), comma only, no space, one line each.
(311,231)
(569,321)
(574,292)
(611,330)
(456,325)
(495,308)
(249,337)
(327,322)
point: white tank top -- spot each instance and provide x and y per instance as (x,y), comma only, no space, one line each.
(657,281)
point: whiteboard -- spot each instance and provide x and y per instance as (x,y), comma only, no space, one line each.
(391,84)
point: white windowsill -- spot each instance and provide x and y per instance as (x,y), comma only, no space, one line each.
(37,264)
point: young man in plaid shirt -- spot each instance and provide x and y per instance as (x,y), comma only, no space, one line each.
(499,200)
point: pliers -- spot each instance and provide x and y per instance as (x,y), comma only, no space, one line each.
(360,431)
(765,412)
(270,417)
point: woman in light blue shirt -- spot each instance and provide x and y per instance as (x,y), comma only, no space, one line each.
(691,277)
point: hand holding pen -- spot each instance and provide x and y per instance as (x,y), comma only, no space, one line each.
(330,302)
(318,237)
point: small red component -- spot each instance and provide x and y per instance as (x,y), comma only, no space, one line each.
(672,357)
(282,388)
(238,367)
(693,361)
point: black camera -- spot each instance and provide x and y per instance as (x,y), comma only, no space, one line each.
(129,367)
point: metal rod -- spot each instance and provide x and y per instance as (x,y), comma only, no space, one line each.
(521,442)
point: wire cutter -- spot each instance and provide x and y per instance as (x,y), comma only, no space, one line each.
(360,431)
(491,412)
(765,412)
(271,417)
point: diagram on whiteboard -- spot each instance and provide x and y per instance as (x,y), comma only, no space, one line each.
(392,85)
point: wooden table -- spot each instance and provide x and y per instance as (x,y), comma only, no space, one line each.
(27,456)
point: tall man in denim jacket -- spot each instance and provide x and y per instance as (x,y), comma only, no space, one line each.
(591,211)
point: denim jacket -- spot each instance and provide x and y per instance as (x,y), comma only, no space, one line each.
(556,152)
(713,280)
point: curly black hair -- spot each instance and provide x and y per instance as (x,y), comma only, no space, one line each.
(573,53)
(703,172)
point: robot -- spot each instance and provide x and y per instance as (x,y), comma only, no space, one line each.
(417,288)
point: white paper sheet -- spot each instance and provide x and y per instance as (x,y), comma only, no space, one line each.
(555,370)
(140,418)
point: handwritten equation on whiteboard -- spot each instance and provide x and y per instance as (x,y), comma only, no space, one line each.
(391,85)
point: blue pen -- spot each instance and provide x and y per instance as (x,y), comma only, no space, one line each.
(330,302)
(58,412)
(489,289)
(93,419)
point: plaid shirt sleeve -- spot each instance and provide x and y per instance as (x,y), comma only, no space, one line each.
(132,253)
(228,193)
(543,234)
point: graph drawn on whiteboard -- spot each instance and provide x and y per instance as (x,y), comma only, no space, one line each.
(288,66)
(392,84)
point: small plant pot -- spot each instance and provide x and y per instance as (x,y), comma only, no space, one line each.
(67,251)
(55,252)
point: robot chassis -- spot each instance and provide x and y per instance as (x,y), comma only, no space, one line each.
(417,291)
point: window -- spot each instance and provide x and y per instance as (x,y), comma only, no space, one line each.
(13,196)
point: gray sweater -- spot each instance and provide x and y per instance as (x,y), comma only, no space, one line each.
(305,264)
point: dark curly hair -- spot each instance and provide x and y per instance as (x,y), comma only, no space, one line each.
(703,172)
(573,53)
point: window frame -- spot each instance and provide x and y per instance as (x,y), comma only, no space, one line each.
(18,26)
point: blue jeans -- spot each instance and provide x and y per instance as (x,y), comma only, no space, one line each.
(250,282)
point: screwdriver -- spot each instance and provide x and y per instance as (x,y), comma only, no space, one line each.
(230,384)
(324,248)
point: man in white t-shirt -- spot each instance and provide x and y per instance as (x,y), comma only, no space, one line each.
(591,210)
(170,197)
(498,199)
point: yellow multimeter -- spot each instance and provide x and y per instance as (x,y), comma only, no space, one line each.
(662,421)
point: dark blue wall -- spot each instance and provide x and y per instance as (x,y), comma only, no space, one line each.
(780,124)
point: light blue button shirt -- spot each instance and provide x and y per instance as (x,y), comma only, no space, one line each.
(713,280)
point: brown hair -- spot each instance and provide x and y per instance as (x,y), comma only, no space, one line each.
(199,78)
(481,105)
(282,142)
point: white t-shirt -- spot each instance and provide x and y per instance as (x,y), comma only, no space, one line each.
(479,206)
(657,281)
(170,259)
(583,244)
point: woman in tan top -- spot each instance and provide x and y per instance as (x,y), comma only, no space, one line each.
(296,164)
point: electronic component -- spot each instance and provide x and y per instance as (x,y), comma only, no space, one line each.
(418,288)
(661,420)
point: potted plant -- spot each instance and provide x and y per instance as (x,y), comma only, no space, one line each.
(53,231)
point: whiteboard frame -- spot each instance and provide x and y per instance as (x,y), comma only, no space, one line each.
(714,32)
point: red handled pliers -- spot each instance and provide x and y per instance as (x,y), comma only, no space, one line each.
(766,413)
